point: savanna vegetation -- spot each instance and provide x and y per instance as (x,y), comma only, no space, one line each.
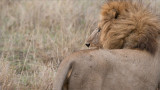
(35,36)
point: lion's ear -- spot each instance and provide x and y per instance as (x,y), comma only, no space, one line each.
(112,14)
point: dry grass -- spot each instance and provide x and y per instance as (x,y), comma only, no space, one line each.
(37,34)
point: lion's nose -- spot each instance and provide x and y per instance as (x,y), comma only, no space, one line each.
(88,44)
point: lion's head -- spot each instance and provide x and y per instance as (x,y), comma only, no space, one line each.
(125,25)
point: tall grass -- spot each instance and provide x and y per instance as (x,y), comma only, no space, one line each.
(35,36)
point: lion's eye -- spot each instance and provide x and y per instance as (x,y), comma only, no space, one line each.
(99,29)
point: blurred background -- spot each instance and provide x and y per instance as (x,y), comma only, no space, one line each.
(35,36)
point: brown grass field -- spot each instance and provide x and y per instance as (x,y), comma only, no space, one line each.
(35,36)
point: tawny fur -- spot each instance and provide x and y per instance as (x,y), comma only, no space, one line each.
(118,69)
(127,25)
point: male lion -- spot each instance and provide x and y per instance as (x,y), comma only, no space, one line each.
(125,25)
(119,69)
(130,34)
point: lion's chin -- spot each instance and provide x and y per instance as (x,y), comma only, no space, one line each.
(94,47)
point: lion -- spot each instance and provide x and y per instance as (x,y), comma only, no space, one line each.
(101,69)
(127,37)
(125,25)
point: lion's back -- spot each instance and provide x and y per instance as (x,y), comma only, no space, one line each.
(110,69)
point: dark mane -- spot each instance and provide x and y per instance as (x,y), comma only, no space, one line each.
(128,25)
